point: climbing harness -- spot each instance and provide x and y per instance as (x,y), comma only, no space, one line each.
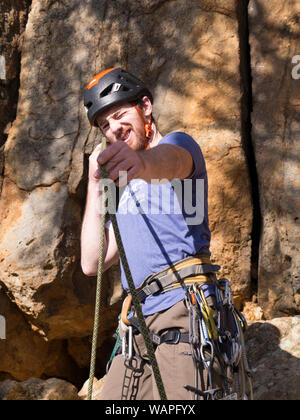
(184,272)
(216,327)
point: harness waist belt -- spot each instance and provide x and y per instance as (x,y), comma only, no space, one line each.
(191,269)
(171,336)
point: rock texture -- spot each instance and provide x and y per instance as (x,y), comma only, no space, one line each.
(35,389)
(274,41)
(274,351)
(44,176)
(188,52)
(12,24)
(97,387)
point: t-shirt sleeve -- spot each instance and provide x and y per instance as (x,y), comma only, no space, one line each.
(187,142)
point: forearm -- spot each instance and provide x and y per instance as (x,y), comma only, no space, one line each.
(90,233)
(166,162)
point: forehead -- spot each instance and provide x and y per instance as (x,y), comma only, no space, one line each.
(111,111)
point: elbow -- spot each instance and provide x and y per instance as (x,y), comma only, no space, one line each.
(88,269)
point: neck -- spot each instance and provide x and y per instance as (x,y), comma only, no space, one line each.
(156,136)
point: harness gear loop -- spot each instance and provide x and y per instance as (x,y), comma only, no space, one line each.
(216,326)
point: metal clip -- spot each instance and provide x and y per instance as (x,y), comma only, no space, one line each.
(127,346)
(209,361)
(228,294)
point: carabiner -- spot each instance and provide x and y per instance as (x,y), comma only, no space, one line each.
(207,362)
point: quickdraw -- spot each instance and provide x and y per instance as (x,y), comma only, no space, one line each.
(216,331)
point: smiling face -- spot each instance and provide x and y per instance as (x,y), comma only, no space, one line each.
(123,122)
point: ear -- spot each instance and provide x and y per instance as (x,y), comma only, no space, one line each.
(147,106)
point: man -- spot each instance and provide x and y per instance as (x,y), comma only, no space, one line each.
(154,238)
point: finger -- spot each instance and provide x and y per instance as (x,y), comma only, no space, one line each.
(116,160)
(97,149)
(122,167)
(110,152)
(124,180)
(97,174)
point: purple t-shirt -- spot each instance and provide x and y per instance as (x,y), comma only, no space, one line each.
(163,223)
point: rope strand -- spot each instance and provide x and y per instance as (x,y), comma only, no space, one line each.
(136,303)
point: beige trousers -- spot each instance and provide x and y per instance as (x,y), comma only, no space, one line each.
(174,360)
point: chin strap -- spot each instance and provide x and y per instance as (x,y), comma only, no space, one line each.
(148,127)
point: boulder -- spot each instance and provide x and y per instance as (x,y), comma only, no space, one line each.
(25,352)
(97,387)
(274,354)
(37,389)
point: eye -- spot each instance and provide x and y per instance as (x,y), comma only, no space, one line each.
(104,126)
(120,115)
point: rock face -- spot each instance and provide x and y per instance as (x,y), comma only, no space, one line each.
(12,24)
(195,75)
(274,40)
(43,189)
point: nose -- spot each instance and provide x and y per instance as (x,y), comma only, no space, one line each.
(115,127)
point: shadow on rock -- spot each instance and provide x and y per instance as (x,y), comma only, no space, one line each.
(274,354)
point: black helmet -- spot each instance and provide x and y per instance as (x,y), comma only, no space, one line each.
(109,88)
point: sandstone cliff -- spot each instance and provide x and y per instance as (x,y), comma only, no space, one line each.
(219,70)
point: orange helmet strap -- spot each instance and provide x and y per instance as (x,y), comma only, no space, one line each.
(148,127)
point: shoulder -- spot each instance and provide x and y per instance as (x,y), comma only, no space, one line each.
(176,138)
(179,138)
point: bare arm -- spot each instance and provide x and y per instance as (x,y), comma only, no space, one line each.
(90,232)
(164,161)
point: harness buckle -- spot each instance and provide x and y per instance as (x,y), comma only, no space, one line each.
(158,284)
(172,337)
